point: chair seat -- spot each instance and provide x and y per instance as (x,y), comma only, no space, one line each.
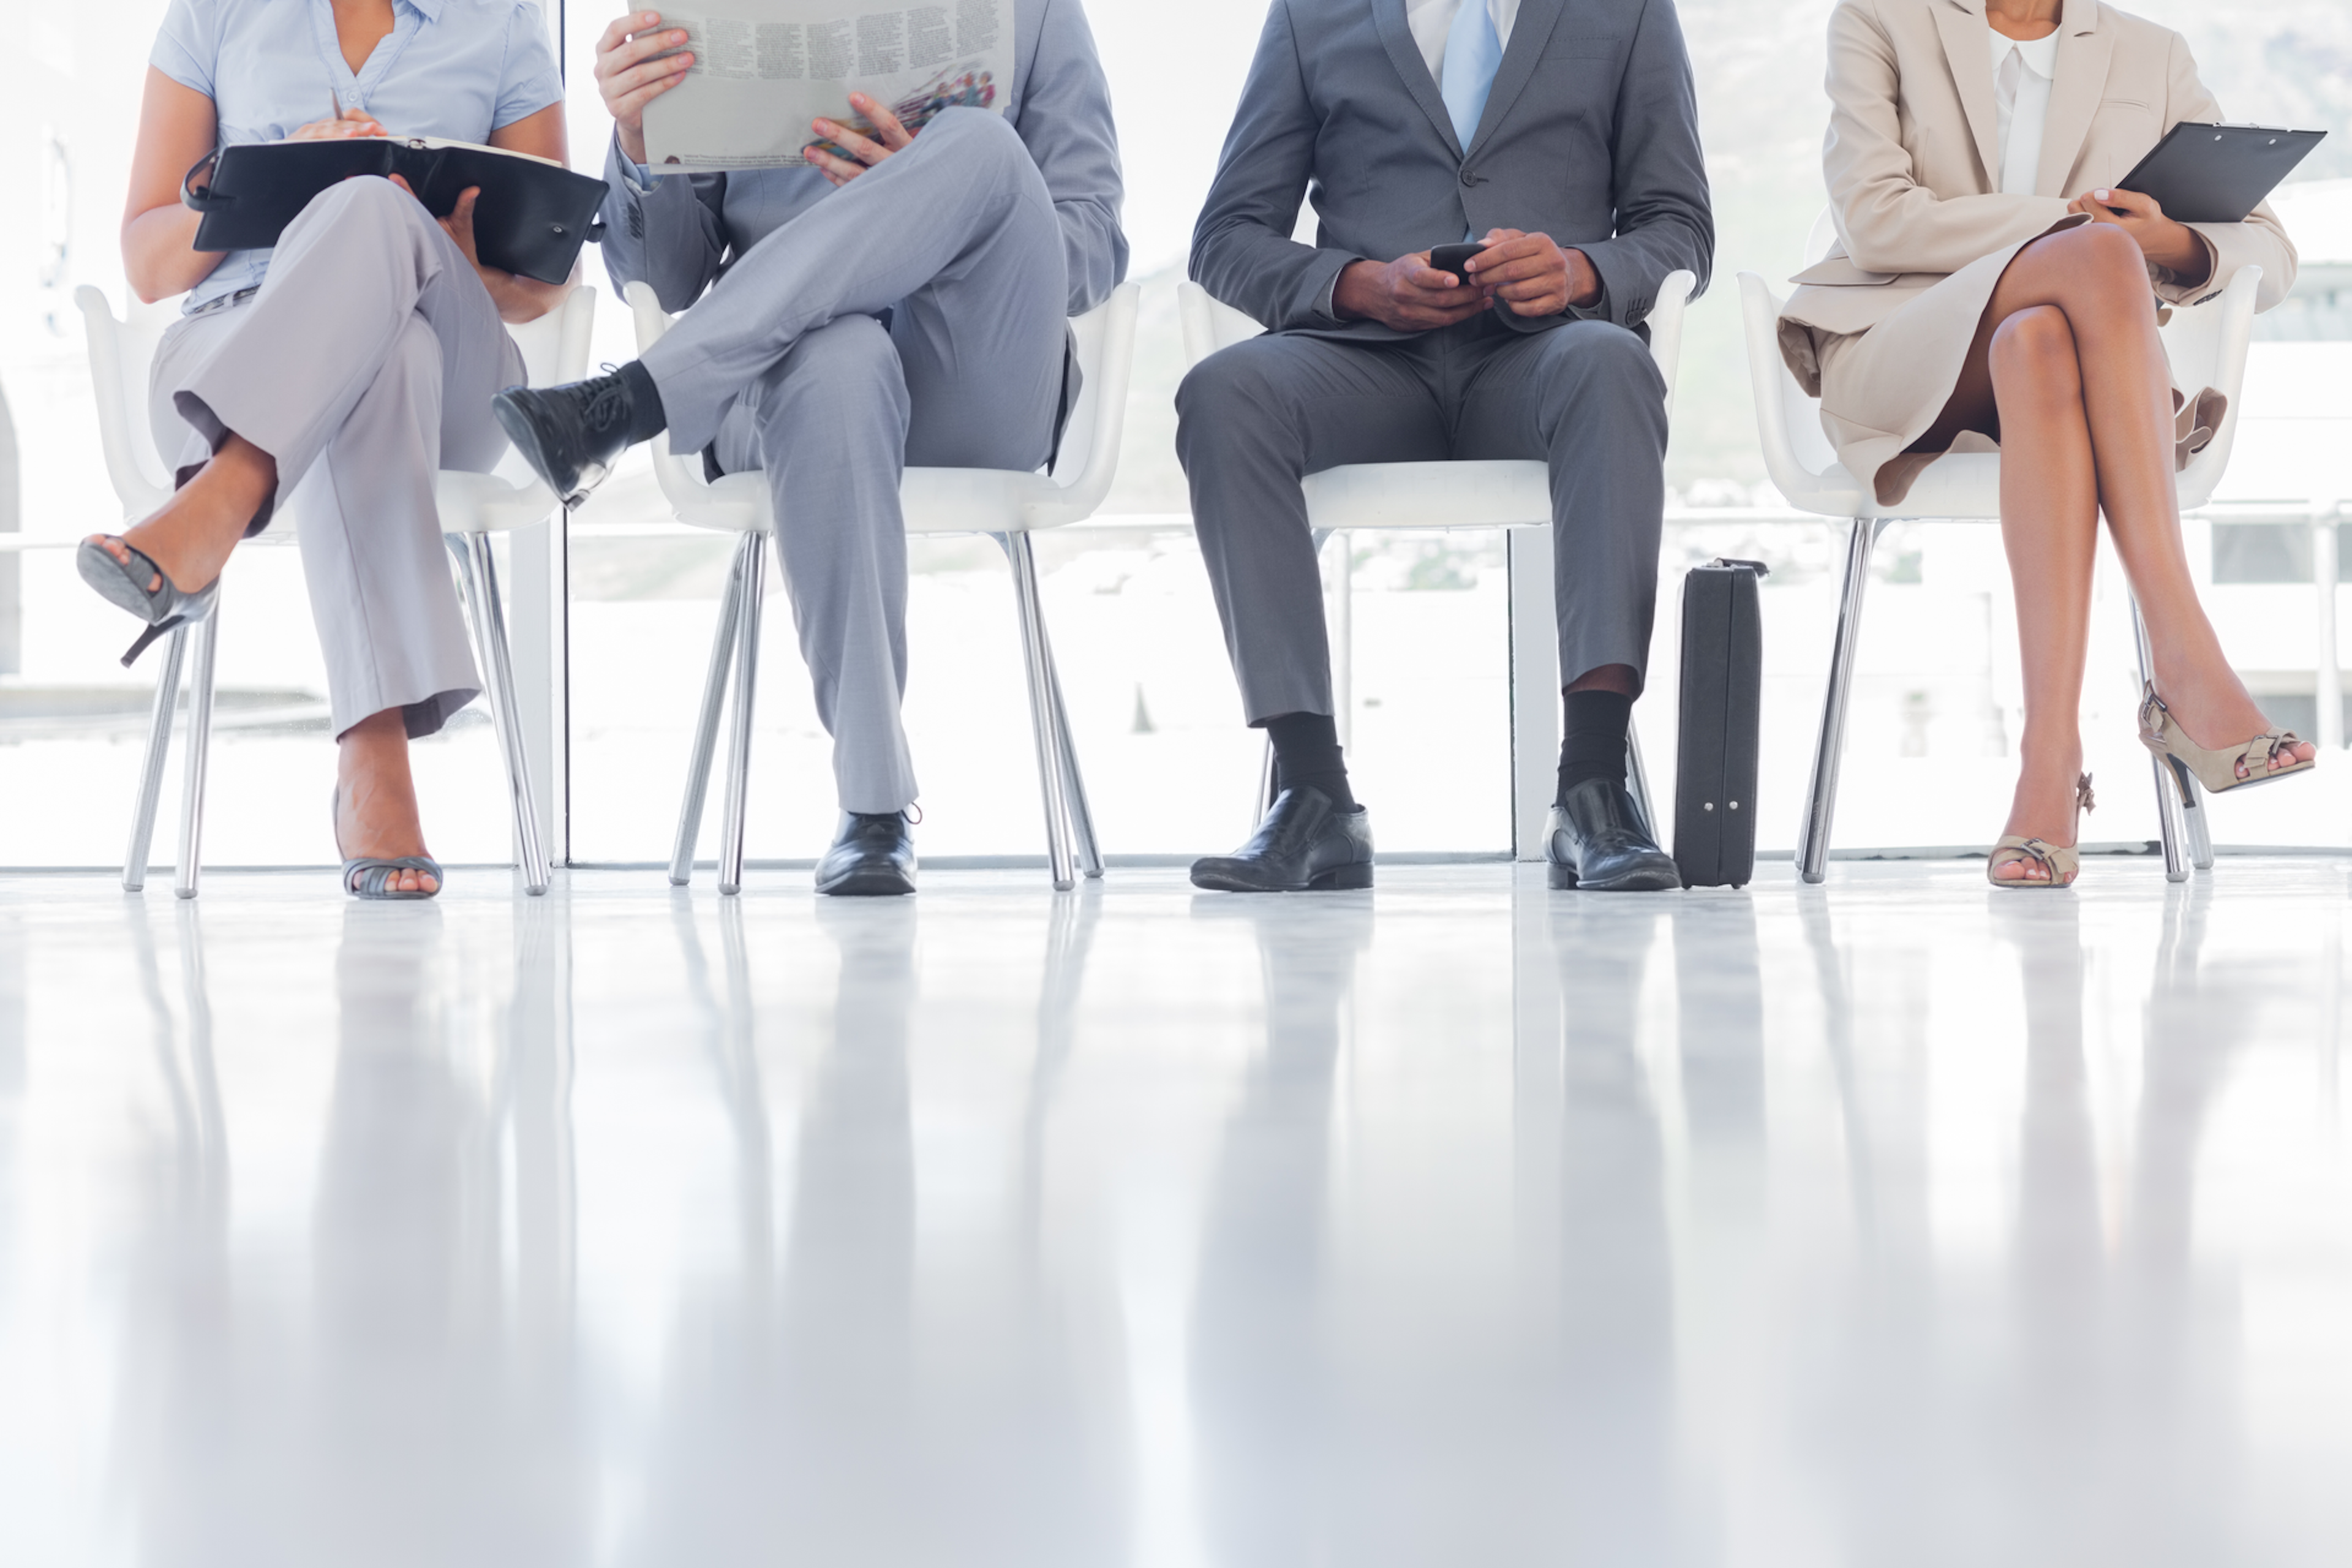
(934,501)
(484,503)
(1430,494)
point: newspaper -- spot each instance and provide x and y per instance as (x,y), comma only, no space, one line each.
(764,69)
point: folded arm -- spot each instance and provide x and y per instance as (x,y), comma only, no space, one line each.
(1665,221)
(1065,122)
(177,126)
(2260,240)
(1242,250)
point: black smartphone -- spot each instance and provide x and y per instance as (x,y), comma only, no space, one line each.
(1450,257)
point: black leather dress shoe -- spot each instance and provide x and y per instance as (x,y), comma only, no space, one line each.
(1304,845)
(1598,842)
(873,856)
(571,433)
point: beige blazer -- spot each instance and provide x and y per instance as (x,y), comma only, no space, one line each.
(1913,162)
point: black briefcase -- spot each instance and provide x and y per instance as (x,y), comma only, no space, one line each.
(1722,702)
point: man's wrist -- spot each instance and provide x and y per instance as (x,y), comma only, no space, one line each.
(1585,288)
(1350,289)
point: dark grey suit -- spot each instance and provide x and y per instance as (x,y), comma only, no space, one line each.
(1590,135)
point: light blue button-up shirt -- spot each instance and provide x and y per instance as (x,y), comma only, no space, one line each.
(454,68)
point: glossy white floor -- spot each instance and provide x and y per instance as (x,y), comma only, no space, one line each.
(1897,1224)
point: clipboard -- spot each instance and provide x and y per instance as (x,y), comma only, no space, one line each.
(2217,174)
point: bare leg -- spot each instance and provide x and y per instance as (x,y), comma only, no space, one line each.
(2099,279)
(376,815)
(2048,524)
(2069,373)
(190,537)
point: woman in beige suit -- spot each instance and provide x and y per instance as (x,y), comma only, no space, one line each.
(1989,288)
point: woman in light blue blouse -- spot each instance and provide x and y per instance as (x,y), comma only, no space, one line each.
(344,368)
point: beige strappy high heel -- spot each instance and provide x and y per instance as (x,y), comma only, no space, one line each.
(2061,861)
(2160,732)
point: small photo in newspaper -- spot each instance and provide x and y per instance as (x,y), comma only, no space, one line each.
(768,68)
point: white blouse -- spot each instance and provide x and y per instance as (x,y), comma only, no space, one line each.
(2022,74)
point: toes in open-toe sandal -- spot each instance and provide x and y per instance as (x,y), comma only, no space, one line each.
(367,878)
(373,879)
(2061,863)
(2160,732)
(164,607)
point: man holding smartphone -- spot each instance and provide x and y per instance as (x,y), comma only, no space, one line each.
(905,304)
(1503,186)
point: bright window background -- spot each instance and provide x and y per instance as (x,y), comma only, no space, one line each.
(1930,749)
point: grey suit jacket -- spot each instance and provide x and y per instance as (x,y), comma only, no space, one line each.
(680,236)
(1590,135)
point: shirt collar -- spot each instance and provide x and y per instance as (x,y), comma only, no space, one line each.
(428,9)
(2041,54)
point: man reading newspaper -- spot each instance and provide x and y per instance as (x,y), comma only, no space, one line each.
(900,299)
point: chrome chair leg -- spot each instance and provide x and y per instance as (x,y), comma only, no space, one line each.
(1060,855)
(2193,816)
(706,728)
(746,681)
(1267,786)
(1829,746)
(1074,784)
(2173,788)
(1637,779)
(478,577)
(206,634)
(151,769)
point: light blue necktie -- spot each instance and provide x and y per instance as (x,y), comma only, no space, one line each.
(1473,52)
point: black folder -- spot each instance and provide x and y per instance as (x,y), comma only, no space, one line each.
(2217,173)
(530,219)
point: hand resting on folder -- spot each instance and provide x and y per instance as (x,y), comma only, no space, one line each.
(2174,246)
(179,125)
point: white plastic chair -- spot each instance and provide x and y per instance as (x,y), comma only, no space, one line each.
(2206,345)
(1006,505)
(1487,493)
(472,507)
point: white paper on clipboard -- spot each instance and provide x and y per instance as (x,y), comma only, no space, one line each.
(764,69)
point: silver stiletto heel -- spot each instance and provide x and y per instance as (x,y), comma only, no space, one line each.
(164,607)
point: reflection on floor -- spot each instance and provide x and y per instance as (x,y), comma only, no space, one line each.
(1894,1223)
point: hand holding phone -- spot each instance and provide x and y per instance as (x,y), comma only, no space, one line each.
(1452,258)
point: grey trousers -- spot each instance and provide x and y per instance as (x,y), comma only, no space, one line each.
(366,366)
(786,366)
(1255,419)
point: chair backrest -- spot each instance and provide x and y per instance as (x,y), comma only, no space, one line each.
(1210,324)
(1090,441)
(1106,349)
(1824,235)
(121,354)
(555,347)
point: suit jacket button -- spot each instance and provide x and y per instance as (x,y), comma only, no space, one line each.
(1468,178)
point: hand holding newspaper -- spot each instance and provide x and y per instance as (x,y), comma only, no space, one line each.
(765,69)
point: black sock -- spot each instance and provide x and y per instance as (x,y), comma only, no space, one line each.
(1306,752)
(1595,746)
(647,419)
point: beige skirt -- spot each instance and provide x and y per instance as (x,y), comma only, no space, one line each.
(1882,388)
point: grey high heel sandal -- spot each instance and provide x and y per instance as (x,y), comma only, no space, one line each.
(165,607)
(371,878)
